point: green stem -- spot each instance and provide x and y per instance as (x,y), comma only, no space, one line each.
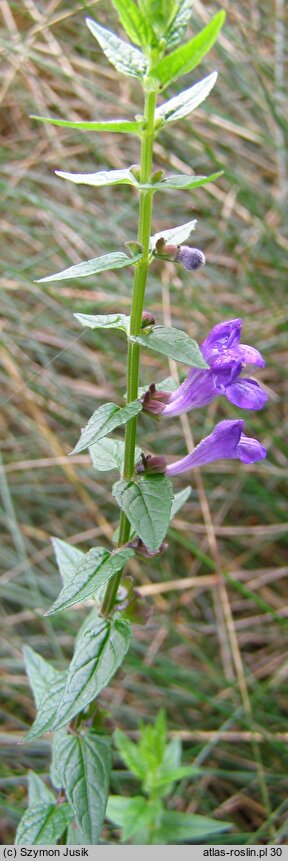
(144,231)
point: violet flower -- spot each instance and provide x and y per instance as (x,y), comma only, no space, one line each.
(226,358)
(226,441)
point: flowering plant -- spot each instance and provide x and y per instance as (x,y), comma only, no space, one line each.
(66,700)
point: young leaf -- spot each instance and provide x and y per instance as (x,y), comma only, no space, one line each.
(186,102)
(103,177)
(173,343)
(43,824)
(132,815)
(90,267)
(100,648)
(187,56)
(131,754)
(123,56)
(38,792)
(152,746)
(140,502)
(97,567)
(179,23)
(85,764)
(103,421)
(164,780)
(182,181)
(175,235)
(109,454)
(176,827)
(48,706)
(119,126)
(68,559)
(137,25)
(39,672)
(179,500)
(104,321)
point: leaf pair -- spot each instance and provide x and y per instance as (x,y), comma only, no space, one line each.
(81,765)
(130,61)
(45,820)
(100,648)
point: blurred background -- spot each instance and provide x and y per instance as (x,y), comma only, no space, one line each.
(214,652)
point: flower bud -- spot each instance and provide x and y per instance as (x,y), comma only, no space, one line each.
(154,401)
(191,258)
(147,319)
(142,550)
(152,464)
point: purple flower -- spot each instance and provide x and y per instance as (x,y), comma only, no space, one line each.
(225,441)
(226,358)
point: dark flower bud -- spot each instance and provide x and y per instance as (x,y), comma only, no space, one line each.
(162,249)
(191,258)
(154,401)
(142,550)
(147,319)
(152,464)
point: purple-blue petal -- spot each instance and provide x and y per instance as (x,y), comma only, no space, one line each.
(226,441)
(250,355)
(197,390)
(223,336)
(246,394)
(249,450)
(221,443)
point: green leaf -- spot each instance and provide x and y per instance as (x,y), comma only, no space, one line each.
(173,343)
(175,235)
(131,814)
(85,763)
(179,500)
(131,754)
(109,454)
(182,181)
(39,672)
(68,559)
(47,685)
(100,648)
(43,824)
(152,746)
(103,177)
(147,505)
(186,102)
(178,25)
(56,775)
(167,385)
(119,126)
(95,570)
(187,56)
(90,267)
(123,56)
(170,777)
(38,792)
(137,26)
(104,321)
(103,421)
(176,827)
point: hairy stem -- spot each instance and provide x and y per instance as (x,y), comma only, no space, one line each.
(144,230)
